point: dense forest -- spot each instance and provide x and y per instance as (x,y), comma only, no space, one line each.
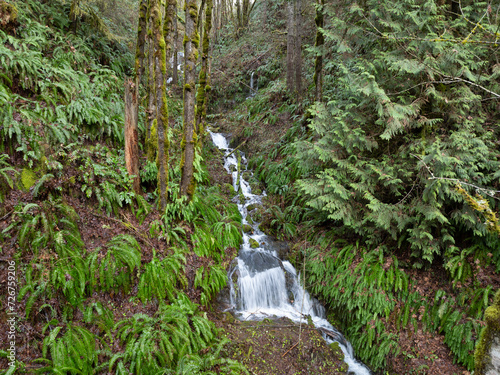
(371,128)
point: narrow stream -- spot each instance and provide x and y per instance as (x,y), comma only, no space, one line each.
(267,286)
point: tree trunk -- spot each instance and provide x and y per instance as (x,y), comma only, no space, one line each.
(290,48)
(203,83)
(175,78)
(161,102)
(168,31)
(297,55)
(264,14)
(141,40)
(318,64)
(245,13)
(238,17)
(151,93)
(131,133)
(189,140)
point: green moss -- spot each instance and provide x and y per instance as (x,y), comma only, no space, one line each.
(187,87)
(28,178)
(253,243)
(152,142)
(492,319)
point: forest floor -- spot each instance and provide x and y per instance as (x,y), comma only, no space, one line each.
(279,346)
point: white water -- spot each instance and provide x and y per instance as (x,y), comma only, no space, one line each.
(266,285)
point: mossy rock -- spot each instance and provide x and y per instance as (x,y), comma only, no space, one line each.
(253,243)
(487,353)
(247,228)
(28,178)
(250,220)
(246,175)
(252,207)
(229,189)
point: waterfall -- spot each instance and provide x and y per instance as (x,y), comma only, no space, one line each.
(254,86)
(267,286)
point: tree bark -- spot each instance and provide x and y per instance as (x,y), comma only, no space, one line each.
(151,92)
(175,74)
(161,102)
(131,133)
(297,55)
(141,40)
(204,79)
(290,48)
(189,140)
(168,31)
(318,64)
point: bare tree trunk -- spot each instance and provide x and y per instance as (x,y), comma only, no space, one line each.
(320,41)
(131,133)
(298,46)
(290,48)
(161,102)
(175,78)
(189,139)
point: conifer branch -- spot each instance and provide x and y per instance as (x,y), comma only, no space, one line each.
(490,192)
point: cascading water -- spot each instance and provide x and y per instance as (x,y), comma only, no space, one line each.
(266,285)
(253,87)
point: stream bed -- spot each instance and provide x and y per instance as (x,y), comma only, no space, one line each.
(261,284)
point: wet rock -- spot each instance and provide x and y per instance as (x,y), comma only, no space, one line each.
(252,206)
(257,261)
(253,243)
(247,228)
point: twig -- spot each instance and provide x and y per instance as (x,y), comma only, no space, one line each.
(297,343)
(6,215)
(490,192)
(232,152)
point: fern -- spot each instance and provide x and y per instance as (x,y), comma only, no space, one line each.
(163,341)
(160,279)
(75,351)
(115,268)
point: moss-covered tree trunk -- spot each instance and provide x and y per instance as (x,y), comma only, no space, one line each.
(175,73)
(161,119)
(141,40)
(200,17)
(151,92)
(204,78)
(168,31)
(320,41)
(189,140)
(131,133)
